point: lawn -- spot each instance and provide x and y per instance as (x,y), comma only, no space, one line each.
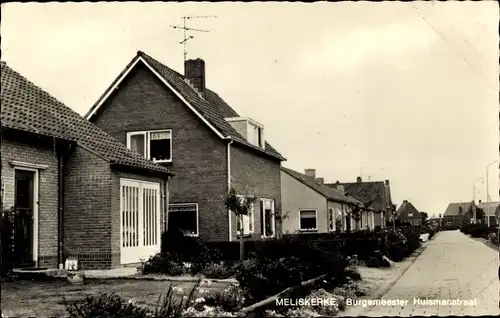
(44,299)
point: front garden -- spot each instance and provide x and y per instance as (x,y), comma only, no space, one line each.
(293,267)
(483,231)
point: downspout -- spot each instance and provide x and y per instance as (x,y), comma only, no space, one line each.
(229,185)
(166,202)
(60,219)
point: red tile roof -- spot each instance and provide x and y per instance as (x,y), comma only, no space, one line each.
(26,107)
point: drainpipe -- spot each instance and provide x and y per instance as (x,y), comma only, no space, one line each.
(165,201)
(229,184)
(60,219)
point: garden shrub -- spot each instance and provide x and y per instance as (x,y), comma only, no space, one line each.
(402,242)
(231,299)
(265,277)
(113,306)
(7,241)
(218,270)
(479,230)
(104,305)
(163,263)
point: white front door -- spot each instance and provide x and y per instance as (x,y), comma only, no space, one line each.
(139,220)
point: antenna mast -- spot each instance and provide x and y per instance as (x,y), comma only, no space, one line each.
(184,28)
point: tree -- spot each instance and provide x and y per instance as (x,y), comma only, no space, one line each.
(279,219)
(424,216)
(240,206)
(356,213)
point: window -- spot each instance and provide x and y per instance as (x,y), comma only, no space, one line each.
(154,145)
(410,214)
(255,135)
(248,220)
(267,216)
(308,220)
(183,217)
(331,220)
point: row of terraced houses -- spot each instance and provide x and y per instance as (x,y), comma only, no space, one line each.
(158,150)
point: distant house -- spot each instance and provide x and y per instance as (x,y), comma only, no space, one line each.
(309,206)
(491,211)
(77,192)
(459,213)
(408,213)
(178,122)
(374,194)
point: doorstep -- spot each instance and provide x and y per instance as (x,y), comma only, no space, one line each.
(34,273)
(120,272)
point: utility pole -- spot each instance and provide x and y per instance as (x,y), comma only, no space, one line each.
(488,199)
(185,29)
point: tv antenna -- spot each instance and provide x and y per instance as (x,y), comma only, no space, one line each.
(186,29)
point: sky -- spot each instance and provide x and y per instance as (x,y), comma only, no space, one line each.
(401,91)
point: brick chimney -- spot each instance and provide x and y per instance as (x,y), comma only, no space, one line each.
(311,173)
(320,181)
(387,183)
(405,201)
(194,71)
(359,180)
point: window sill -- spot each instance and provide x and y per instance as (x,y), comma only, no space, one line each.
(191,235)
(308,230)
(267,237)
(244,235)
(161,161)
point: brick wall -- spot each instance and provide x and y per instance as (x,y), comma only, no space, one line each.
(35,150)
(255,174)
(199,156)
(87,209)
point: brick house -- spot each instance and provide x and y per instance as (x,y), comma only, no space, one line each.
(374,194)
(178,122)
(408,213)
(309,206)
(76,192)
(459,213)
(491,212)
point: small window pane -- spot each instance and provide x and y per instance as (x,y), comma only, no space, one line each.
(160,135)
(308,214)
(137,143)
(160,149)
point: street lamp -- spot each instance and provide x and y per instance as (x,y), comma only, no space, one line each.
(487,183)
(488,190)
(474,195)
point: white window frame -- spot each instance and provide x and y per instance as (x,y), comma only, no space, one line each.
(141,251)
(247,220)
(197,234)
(300,218)
(251,123)
(36,187)
(273,217)
(147,139)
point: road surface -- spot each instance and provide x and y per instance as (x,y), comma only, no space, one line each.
(453,266)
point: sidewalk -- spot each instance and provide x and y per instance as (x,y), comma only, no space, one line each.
(377,281)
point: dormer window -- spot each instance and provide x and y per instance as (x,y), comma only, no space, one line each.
(249,128)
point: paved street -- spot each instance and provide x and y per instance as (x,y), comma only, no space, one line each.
(453,266)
